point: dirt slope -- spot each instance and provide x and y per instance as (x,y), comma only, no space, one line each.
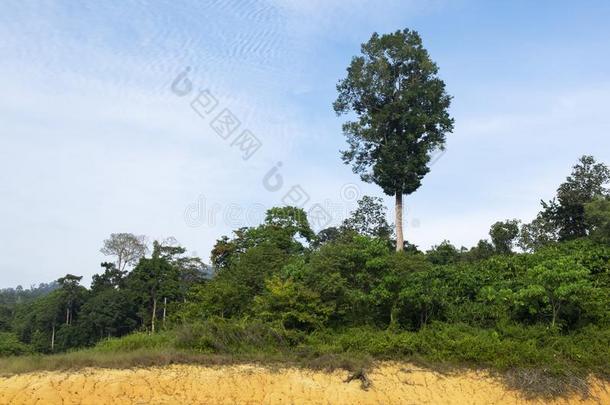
(391,384)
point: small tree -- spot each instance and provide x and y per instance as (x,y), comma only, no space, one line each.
(444,253)
(402,115)
(292,303)
(555,284)
(369,219)
(393,282)
(425,293)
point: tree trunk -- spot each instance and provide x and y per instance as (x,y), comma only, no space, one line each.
(53,338)
(164,310)
(67,315)
(399,235)
(154,315)
(393,317)
(555,312)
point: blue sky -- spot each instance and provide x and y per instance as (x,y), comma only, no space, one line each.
(93,141)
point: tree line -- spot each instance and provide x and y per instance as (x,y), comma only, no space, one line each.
(281,272)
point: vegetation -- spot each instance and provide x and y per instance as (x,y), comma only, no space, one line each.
(344,296)
(339,298)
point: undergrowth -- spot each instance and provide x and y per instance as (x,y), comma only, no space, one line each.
(537,360)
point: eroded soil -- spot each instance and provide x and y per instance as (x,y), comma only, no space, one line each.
(391,383)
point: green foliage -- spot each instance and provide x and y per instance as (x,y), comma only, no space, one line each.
(538,233)
(34,321)
(292,304)
(564,217)
(136,341)
(388,294)
(503,235)
(553,285)
(587,182)
(285,228)
(20,295)
(110,278)
(508,346)
(597,215)
(401,109)
(10,345)
(110,312)
(444,253)
(482,251)
(217,335)
(292,221)
(425,294)
(369,219)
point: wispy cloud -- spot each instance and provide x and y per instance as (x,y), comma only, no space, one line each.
(92,140)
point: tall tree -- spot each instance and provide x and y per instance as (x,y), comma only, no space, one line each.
(71,291)
(153,279)
(126,247)
(402,115)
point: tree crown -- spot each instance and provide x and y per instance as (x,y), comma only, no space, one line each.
(401,110)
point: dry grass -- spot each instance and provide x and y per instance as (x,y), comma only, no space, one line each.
(540,383)
(142,358)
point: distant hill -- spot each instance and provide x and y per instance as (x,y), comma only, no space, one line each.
(19,295)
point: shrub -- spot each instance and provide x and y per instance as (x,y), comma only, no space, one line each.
(217,335)
(11,346)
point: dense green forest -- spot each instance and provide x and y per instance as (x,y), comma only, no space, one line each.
(531,294)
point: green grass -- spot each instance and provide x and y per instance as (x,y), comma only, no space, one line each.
(536,359)
(136,341)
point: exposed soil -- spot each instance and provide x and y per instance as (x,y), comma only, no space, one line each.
(388,383)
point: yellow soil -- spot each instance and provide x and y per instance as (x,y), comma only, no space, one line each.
(392,383)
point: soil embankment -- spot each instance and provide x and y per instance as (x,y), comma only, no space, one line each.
(391,383)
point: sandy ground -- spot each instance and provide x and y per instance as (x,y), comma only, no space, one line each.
(391,384)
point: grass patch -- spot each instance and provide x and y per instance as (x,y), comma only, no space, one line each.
(135,342)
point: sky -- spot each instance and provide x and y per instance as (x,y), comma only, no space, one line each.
(111,118)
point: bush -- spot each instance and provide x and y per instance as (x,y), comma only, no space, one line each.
(217,335)
(11,346)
